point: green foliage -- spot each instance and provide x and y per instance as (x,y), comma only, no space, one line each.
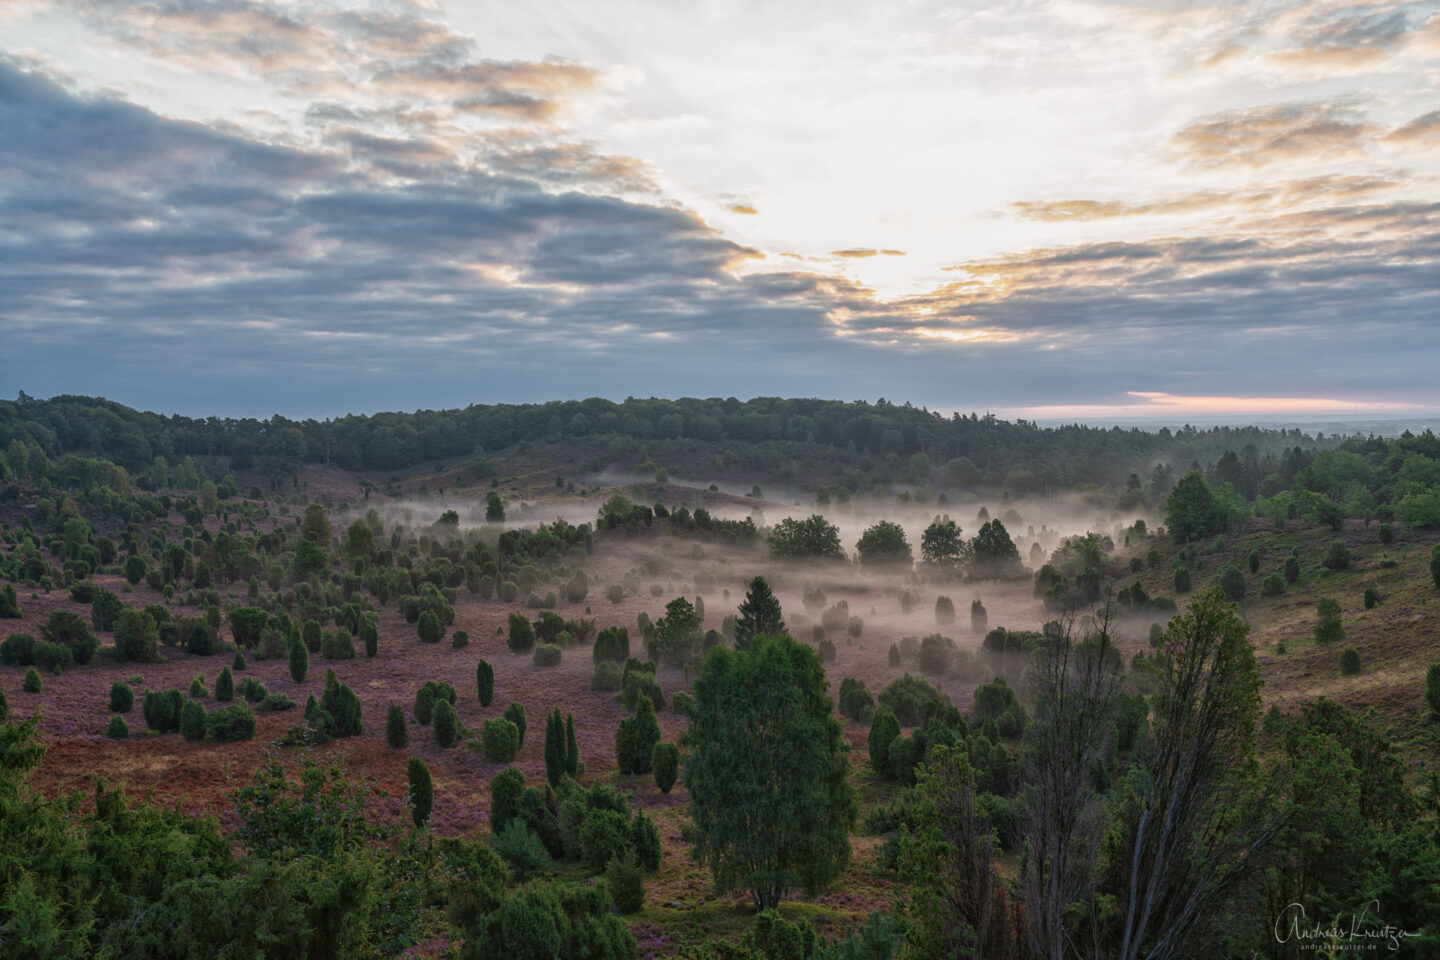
(942,544)
(192,720)
(884,728)
(1292,569)
(556,766)
(636,738)
(1253,561)
(515,713)
(507,788)
(68,630)
(771,801)
(232,724)
(759,614)
(225,685)
(665,763)
(117,728)
(1329,628)
(883,544)
(1232,583)
(678,633)
(1350,662)
(1191,511)
(855,700)
(612,644)
(1337,557)
(500,740)
(993,555)
(944,611)
(136,636)
(812,538)
(548,655)
(485,683)
(429,628)
(1432,689)
(1435,565)
(1182,583)
(626,882)
(339,710)
(122,698)
(422,791)
(1371,597)
(518,846)
(447,724)
(607,676)
(10,604)
(522,633)
(397,731)
(1273,586)
(105,610)
(911,699)
(198,690)
(299,661)
(31,683)
(603,834)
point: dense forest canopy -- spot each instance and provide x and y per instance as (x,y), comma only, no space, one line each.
(965,450)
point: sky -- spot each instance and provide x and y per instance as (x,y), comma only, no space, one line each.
(1048,209)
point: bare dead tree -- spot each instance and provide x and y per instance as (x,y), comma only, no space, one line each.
(1200,813)
(1075,687)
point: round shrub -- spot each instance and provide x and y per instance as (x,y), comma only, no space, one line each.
(548,654)
(31,683)
(1350,662)
(1372,597)
(509,591)
(1387,534)
(615,593)
(607,676)
(522,634)
(232,724)
(197,688)
(117,728)
(1273,586)
(603,834)
(122,698)
(239,664)
(500,740)
(459,639)
(827,651)
(855,700)
(225,686)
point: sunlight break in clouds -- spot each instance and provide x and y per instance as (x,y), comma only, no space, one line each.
(978,206)
(1172,408)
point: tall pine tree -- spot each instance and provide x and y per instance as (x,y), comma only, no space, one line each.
(759,615)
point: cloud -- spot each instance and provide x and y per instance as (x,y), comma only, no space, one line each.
(1329,189)
(1274,134)
(863,253)
(1348,41)
(1423,131)
(743,209)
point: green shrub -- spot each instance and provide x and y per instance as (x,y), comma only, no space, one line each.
(225,686)
(198,690)
(509,591)
(636,738)
(447,724)
(1273,586)
(68,630)
(522,634)
(253,690)
(429,627)
(192,721)
(232,724)
(1350,662)
(884,728)
(606,677)
(518,846)
(137,637)
(342,706)
(614,593)
(161,710)
(1253,561)
(397,731)
(122,698)
(338,645)
(856,702)
(18,650)
(507,789)
(548,655)
(1372,597)
(239,664)
(1232,582)
(612,644)
(1338,557)
(485,683)
(515,713)
(31,683)
(274,703)
(1387,534)
(311,634)
(459,639)
(665,762)
(626,882)
(500,740)
(603,834)
(909,698)
(1432,689)
(422,791)
(51,657)
(1292,569)
(944,611)
(1329,628)
(299,661)
(117,728)
(1181,581)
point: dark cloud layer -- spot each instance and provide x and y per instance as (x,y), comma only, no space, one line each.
(181,266)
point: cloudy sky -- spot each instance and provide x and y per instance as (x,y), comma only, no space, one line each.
(1045,208)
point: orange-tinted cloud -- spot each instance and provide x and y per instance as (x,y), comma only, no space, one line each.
(1424,131)
(744,209)
(1274,134)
